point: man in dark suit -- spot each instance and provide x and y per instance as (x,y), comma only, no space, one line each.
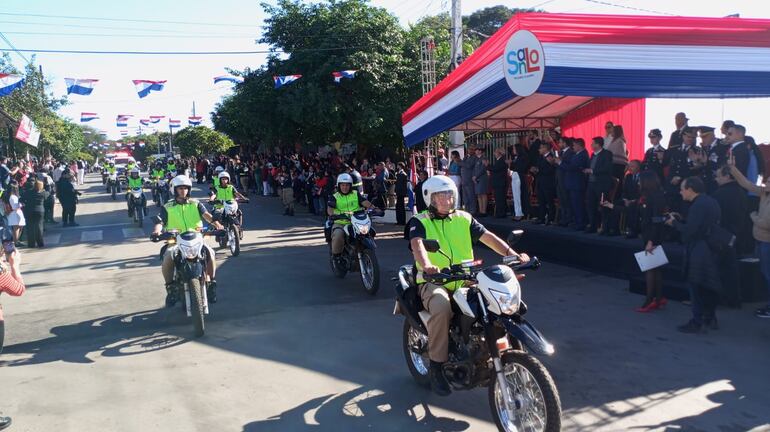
(739,149)
(734,206)
(402,190)
(676,140)
(653,157)
(499,171)
(545,179)
(564,155)
(575,181)
(679,168)
(599,181)
(715,152)
(627,203)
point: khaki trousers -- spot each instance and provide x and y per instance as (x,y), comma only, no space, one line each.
(435,299)
(287,196)
(338,239)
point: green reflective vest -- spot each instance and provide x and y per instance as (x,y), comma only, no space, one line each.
(454,235)
(183,217)
(158,173)
(130,166)
(216,182)
(170,167)
(346,203)
(111,169)
(135,182)
(225,194)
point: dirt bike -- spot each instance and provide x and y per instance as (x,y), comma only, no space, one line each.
(231,218)
(359,253)
(489,341)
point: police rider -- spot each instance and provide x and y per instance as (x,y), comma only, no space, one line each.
(455,230)
(135,182)
(157,172)
(217,171)
(345,200)
(185,214)
(224,192)
(170,165)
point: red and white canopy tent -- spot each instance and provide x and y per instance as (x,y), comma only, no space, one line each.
(577,71)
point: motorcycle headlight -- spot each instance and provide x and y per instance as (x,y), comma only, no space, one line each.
(362,229)
(188,252)
(509,304)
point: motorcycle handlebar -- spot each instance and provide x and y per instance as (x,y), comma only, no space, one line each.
(167,235)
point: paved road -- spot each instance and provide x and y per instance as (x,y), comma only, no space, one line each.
(291,348)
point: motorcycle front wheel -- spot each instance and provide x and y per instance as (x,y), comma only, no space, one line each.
(415,346)
(196,305)
(370,271)
(139,214)
(537,407)
(233,240)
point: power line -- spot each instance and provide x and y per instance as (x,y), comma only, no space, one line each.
(629,7)
(13,48)
(191,36)
(47,51)
(125,20)
(98,27)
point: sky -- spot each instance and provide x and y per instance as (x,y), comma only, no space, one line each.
(235,25)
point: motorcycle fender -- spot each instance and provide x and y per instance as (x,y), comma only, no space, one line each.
(192,269)
(528,334)
(368,243)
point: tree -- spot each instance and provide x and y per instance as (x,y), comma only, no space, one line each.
(200,140)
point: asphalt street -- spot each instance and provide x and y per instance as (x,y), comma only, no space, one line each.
(289,347)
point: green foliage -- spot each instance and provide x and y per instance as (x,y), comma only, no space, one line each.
(200,140)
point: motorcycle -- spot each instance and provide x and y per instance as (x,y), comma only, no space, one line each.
(105,176)
(358,254)
(135,206)
(189,272)
(232,220)
(489,341)
(160,194)
(113,185)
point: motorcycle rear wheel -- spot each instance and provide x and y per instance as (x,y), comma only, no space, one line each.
(417,363)
(196,305)
(538,407)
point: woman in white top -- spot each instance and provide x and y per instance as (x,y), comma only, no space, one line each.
(15,217)
(619,156)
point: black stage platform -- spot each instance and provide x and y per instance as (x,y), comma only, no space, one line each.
(614,256)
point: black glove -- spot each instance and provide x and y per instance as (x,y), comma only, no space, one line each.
(154,238)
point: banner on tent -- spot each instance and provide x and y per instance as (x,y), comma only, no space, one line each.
(27,131)
(524,65)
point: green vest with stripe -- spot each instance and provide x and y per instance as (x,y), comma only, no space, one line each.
(225,194)
(158,173)
(454,235)
(183,217)
(346,203)
(135,182)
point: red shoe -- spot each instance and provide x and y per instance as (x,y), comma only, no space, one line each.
(662,302)
(649,308)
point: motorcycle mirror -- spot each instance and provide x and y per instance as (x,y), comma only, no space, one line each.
(515,236)
(431,245)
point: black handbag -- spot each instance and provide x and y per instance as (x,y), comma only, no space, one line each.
(719,239)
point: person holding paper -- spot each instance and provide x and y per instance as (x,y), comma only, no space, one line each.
(652,208)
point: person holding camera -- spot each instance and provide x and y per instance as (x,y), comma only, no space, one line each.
(700,261)
(12,284)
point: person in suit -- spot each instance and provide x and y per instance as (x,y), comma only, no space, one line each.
(519,189)
(402,189)
(545,178)
(575,181)
(700,262)
(715,152)
(563,157)
(652,207)
(680,165)
(734,217)
(599,181)
(481,181)
(419,200)
(626,204)
(653,157)
(676,139)
(499,170)
(466,175)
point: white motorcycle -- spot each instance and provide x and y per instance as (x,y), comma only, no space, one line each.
(113,186)
(135,204)
(359,253)
(231,219)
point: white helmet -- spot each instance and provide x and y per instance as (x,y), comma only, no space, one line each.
(219,169)
(344,178)
(436,184)
(181,180)
(224,174)
(134,170)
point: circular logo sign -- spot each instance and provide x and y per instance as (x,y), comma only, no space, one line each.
(523,63)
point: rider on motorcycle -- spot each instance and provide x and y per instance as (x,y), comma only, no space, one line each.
(455,230)
(170,165)
(157,172)
(219,170)
(185,214)
(134,181)
(345,200)
(111,168)
(224,192)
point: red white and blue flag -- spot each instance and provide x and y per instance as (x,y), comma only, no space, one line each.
(122,120)
(124,133)
(339,75)
(144,87)
(156,119)
(174,123)
(231,78)
(80,86)
(9,83)
(281,81)
(87,117)
(145,122)
(194,120)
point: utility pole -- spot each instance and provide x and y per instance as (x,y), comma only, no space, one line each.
(457,138)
